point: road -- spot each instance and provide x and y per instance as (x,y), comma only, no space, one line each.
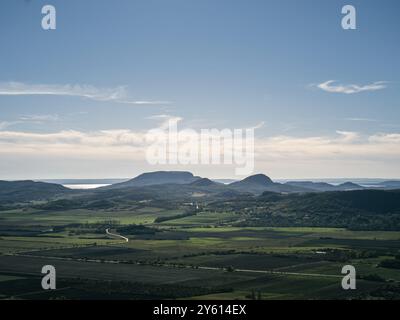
(276,272)
(170,265)
(116,235)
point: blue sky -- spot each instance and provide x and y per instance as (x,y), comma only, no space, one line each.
(215,64)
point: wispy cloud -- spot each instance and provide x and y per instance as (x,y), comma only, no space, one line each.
(333,87)
(6,124)
(339,154)
(34,118)
(128,144)
(40,117)
(118,94)
(361,119)
(348,136)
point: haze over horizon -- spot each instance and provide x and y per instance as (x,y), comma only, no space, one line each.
(277,179)
(77,102)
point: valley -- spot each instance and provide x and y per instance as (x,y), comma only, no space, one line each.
(164,241)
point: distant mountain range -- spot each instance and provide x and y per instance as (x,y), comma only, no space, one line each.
(323,186)
(316,185)
(256,184)
(175,184)
(390,184)
(258,199)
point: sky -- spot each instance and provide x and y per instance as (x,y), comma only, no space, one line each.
(77,102)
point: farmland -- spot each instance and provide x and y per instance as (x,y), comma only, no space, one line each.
(201,256)
(140,240)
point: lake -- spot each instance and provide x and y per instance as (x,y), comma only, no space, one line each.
(84,186)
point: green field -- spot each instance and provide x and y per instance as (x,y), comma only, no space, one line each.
(195,257)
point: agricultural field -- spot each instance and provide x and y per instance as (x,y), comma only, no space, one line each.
(204,256)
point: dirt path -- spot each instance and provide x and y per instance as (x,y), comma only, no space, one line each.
(116,235)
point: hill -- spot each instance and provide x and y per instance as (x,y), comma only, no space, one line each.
(323,186)
(157,178)
(358,210)
(390,184)
(348,186)
(23,191)
(260,183)
(204,182)
(357,201)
